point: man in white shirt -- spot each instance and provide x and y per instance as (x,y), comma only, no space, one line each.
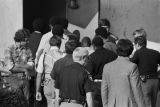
(44,43)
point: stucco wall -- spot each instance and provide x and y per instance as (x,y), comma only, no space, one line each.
(10,21)
(128,15)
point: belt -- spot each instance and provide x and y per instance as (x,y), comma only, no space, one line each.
(73,101)
(97,80)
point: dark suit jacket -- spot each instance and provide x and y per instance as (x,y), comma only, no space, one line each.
(97,60)
(147,60)
(34,41)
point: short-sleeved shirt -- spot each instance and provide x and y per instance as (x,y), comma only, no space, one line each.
(14,55)
(73,82)
(50,58)
(61,63)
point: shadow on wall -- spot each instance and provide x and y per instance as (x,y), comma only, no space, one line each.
(89,30)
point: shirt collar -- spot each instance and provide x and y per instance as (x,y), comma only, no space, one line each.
(54,48)
(121,57)
(37,31)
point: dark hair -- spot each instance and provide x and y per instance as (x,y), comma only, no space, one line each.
(104,22)
(101,31)
(57,30)
(86,40)
(55,41)
(54,20)
(64,22)
(77,34)
(140,40)
(140,32)
(22,35)
(97,41)
(72,37)
(38,24)
(124,47)
(70,46)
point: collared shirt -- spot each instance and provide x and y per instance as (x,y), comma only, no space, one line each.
(60,64)
(44,43)
(73,82)
(50,58)
(14,55)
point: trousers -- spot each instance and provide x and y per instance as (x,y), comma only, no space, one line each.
(96,94)
(150,92)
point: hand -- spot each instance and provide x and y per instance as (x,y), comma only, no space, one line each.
(27,75)
(38,96)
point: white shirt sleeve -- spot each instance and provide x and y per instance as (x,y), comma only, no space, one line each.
(41,44)
(40,64)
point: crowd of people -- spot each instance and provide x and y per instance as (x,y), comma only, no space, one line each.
(61,69)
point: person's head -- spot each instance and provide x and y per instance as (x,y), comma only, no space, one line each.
(38,24)
(70,46)
(54,20)
(102,32)
(139,32)
(97,42)
(64,22)
(124,47)
(104,23)
(21,37)
(140,41)
(72,37)
(77,34)
(58,31)
(86,42)
(80,54)
(55,41)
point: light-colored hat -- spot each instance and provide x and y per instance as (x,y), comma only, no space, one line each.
(79,52)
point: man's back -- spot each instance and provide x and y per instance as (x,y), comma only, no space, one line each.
(34,41)
(147,60)
(121,85)
(60,64)
(97,60)
(73,82)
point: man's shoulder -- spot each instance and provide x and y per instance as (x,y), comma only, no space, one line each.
(35,35)
(48,34)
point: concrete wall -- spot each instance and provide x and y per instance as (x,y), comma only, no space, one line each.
(89,30)
(10,21)
(128,15)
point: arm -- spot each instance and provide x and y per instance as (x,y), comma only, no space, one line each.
(89,99)
(54,71)
(38,84)
(88,89)
(57,97)
(89,65)
(38,54)
(104,89)
(39,78)
(136,87)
